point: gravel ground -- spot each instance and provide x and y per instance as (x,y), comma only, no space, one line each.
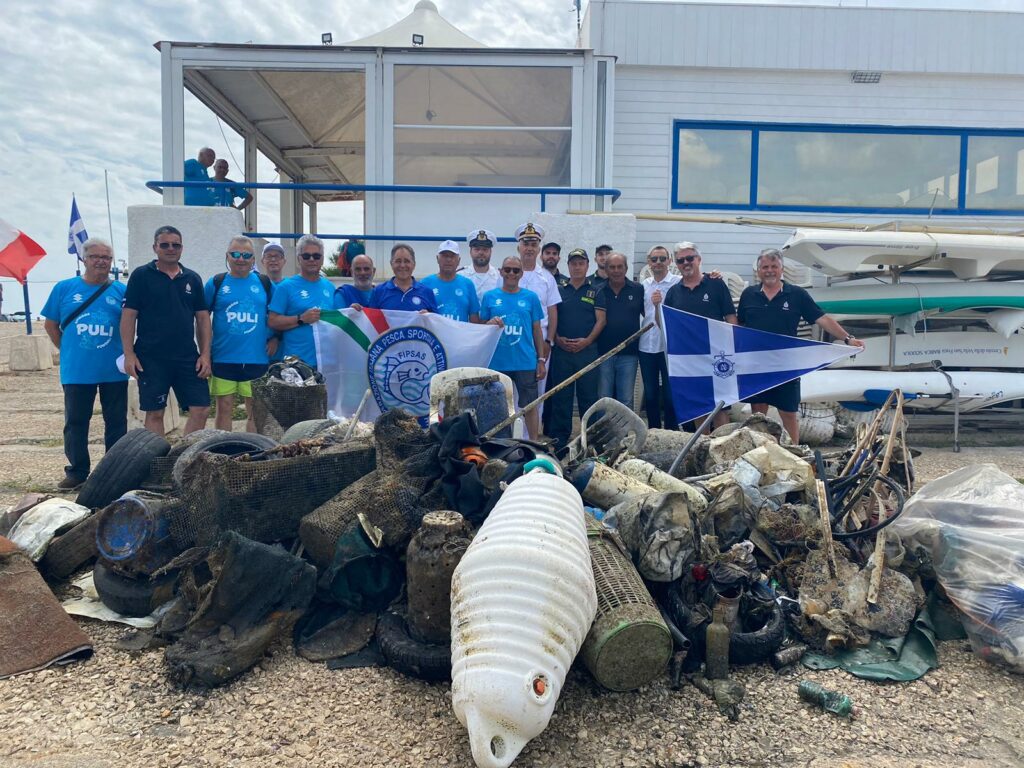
(118,710)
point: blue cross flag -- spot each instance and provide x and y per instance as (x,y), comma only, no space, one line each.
(76,231)
(711,361)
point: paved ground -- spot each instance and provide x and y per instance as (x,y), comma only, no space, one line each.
(118,710)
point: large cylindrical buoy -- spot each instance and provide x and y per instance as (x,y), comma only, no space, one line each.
(523,599)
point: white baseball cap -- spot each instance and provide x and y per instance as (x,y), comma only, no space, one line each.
(448,245)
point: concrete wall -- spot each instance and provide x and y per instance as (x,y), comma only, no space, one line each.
(205,233)
(587,232)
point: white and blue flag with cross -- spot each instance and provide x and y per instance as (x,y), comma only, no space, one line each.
(76,231)
(711,361)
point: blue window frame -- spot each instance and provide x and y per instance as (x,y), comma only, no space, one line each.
(908,170)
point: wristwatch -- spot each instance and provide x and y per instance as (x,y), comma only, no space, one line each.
(847,339)
(298,319)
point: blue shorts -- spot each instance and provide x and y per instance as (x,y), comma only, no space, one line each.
(160,376)
(785,397)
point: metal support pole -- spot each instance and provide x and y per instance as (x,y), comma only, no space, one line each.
(28,309)
(693,439)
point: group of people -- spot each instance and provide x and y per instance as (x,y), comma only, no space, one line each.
(198,169)
(172,332)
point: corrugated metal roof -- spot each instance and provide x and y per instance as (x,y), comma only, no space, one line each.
(745,36)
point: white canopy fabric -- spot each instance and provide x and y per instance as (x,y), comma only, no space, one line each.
(426,21)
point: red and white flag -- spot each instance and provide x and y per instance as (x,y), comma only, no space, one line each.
(18,252)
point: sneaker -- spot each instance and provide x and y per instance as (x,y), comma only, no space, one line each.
(70,483)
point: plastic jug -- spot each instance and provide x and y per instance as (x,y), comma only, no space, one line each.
(523,599)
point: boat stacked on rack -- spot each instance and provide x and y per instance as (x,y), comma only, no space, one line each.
(936,311)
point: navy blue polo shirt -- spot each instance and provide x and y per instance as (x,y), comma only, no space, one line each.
(167,308)
(387,295)
(710,298)
(623,311)
(781,314)
(577,313)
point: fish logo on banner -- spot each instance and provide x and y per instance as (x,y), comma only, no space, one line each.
(400,364)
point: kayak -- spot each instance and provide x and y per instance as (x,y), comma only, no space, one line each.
(872,298)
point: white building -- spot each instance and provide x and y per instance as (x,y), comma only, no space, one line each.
(766,112)
(806,113)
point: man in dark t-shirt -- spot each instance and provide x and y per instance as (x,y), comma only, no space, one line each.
(778,307)
(164,315)
(624,306)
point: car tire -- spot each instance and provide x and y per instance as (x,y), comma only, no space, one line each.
(222,443)
(744,647)
(304,430)
(409,656)
(123,468)
(132,597)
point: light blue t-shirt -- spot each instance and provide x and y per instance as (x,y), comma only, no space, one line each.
(346,295)
(456,298)
(519,311)
(293,297)
(239,320)
(196,171)
(91,344)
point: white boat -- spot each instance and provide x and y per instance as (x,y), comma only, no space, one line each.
(953,349)
(842,252)
(930,389)
(943,296)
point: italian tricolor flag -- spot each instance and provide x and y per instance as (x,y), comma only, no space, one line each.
(394,354)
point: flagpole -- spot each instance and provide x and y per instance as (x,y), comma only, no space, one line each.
(110,226)
(28,310)
(78,260)
(693,439)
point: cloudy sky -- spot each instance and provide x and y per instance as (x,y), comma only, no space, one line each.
(80,89)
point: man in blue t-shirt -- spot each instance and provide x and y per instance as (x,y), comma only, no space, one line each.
(242,342)
(361,289)
(455,295)
(82,319)
(197,170)
(519,312)
(403,291)
(298,300)
(226,196)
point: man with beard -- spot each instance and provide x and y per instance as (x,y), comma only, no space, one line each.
(484,276)
(550,255)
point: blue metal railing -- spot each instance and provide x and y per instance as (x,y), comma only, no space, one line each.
(158,186)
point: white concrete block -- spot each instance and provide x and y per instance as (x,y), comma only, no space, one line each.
(205,233)
(31,353)
(173,420)
(617,230)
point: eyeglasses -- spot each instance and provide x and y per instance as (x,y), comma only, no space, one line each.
(658,259)
(95,257)
(685,259)
(169,246)
(312,256)
(240,255)
(511,270)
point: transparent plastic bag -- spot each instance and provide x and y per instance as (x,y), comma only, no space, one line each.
(971,524)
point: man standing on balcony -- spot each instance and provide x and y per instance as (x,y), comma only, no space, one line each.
(455,295)
(197,169)
(484,276)
(226,196)
(361,289)
(298,300)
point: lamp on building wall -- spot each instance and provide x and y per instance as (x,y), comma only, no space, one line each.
(865,76)
(417,40)
(327,38)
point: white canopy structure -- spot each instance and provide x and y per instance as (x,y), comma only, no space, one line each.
(423,27)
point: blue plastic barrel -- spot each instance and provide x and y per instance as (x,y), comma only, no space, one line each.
(134,534)
(490,404)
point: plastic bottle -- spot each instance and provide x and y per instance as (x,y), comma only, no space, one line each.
(716,644)
(831,701)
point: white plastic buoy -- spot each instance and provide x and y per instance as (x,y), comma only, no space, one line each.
(523,600)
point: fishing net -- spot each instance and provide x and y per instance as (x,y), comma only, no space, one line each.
(394,498)
(264,497)
(280,398)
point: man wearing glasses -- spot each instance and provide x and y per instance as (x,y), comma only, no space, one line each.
(653,366)
(518,311)
(700,294)
(297,301)
(242,344)
(164,315)
(83,315)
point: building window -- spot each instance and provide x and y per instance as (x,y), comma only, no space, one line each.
(483,126)
(869,169)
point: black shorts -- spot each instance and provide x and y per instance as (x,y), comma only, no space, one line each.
(785,397)
(239,371)
(160,376)
(526,385)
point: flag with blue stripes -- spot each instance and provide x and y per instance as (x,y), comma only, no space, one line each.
(76,231)
(711,361)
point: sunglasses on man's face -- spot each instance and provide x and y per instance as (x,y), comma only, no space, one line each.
(511,270)
(312,256)
(240,255)
(169,246)
(685,259)
(659,259)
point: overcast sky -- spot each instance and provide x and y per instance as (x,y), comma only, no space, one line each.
(80,89)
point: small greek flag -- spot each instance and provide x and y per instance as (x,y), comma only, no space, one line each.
(710,361)
(76,231)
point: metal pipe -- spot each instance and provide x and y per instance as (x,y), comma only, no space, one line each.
(694,437)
